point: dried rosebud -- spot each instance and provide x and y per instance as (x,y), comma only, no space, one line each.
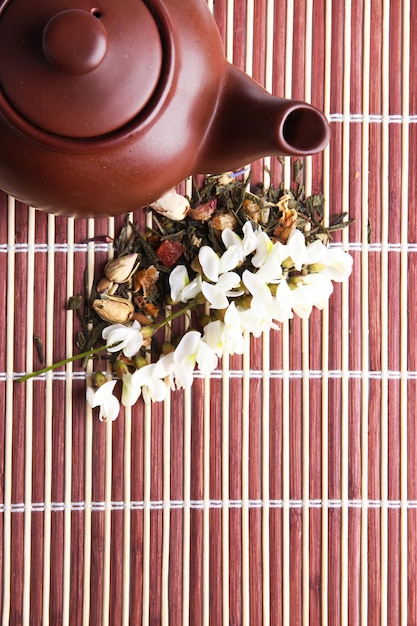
(203,212)
(172,205)
(224,220)
(119,270)
(114,309)
(104,285)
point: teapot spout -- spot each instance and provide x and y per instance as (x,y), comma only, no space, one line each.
(249,124)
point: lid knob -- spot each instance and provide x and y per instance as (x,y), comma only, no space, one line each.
(74,41)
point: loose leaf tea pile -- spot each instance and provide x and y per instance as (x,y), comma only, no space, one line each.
(242,258)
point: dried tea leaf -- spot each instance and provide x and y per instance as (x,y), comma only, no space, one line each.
(74,303)
(39,348)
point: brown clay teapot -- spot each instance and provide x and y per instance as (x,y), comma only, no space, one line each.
(104,107)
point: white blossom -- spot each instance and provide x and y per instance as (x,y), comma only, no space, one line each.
(243,246)
(182,289)
(217,294)
(213,265)
(103,397)
(300,254)
(179,365)
(121,337)
(227,335)
(337,264)
(152,388)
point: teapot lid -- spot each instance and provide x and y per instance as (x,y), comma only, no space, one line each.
(78,72)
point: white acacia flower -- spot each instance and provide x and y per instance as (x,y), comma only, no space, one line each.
(179,365)
(128,338)
(337,264)
(243,246)
(227,335)
(213,265)
(264,246)
(218,293)
(130,391)
(145,382)
(300,254)
(257,286)
(315,290)
(182,289)
(282,302)
(258,318)
(271,270)
(104,398)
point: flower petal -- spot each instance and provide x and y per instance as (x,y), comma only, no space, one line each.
(178,279)
(215,296)
(257,287)
(210,263)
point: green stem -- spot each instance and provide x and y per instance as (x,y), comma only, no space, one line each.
(70,359)
(192,305)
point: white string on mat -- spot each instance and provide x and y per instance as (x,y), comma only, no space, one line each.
(404,315)
(160,505)
(366,73)
(69,334)
(28,454)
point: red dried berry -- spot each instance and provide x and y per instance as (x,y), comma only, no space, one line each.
(169,252)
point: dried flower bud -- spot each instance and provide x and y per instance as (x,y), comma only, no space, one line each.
(120,368)
(224,220)
(226,179)
(119,270)
(172,205)
(104,285)
(140,361)
(145,279)
(114,309)
(252,210)
(282,203)
(203,212)
(99,379)
(286,225)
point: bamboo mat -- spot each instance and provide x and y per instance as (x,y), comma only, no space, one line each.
(282,489)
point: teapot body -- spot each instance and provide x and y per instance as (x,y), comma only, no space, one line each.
(104,108)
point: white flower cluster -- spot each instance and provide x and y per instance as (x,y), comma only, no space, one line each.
(252,286)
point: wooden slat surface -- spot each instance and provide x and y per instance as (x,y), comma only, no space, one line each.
(282,490)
